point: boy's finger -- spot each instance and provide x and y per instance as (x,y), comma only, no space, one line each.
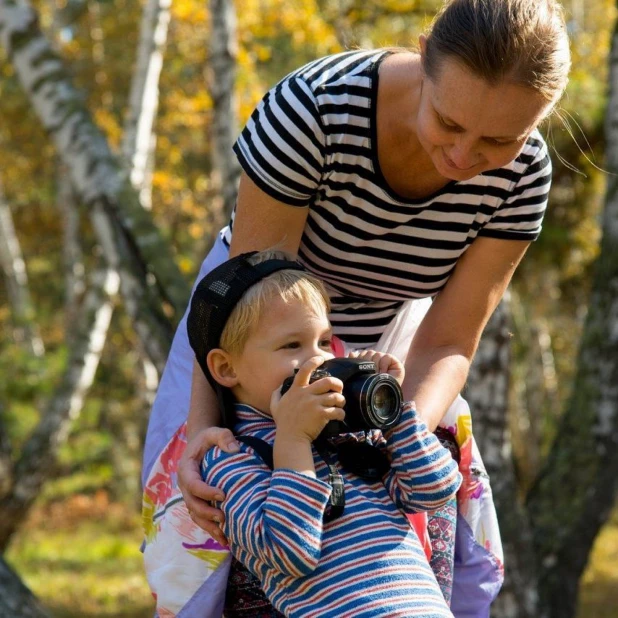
(333,399)
(306,369)
(335,414)
(327,385)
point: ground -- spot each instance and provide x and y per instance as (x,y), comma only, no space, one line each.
(81,557)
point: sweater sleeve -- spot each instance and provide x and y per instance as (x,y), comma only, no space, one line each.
(281,147)
(423,475)
(276,517)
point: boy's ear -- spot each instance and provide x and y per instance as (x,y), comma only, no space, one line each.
(220,366)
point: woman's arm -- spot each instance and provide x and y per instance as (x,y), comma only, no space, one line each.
(439,359)
(261,222)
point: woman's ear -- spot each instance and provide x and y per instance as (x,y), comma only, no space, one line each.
(422,45)
(220,366)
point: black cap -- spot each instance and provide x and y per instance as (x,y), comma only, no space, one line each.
(212,303)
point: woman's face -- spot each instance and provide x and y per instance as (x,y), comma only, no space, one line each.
(468,126)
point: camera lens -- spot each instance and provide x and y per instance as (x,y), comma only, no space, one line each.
(381,402)
(384,401)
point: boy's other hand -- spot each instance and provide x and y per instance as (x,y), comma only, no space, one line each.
(304,410)
(385,363)
(197,493)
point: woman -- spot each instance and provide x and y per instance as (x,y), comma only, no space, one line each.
(393,176)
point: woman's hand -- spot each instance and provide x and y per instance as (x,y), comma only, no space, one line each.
(195,492)
(385,363)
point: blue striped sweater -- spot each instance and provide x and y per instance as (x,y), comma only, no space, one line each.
(367,563)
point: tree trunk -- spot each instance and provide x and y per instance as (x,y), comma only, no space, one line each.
(72,259)
(12,263)
(487,393)
(151,283)
(138,138)
(577,487)
(38,455)
(221,77)
(16,600)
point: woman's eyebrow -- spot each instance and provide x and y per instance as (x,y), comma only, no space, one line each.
(458,127)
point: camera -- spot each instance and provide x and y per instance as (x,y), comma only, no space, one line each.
(372,399)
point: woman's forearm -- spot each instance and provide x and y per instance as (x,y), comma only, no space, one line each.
(433,379)
(204,407)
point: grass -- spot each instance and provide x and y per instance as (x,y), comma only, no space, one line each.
(81,557)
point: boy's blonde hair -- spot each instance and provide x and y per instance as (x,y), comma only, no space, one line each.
(288,285)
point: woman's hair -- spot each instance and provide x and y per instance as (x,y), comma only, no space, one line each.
(288,285)
(523,42)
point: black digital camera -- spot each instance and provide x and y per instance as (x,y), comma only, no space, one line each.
(372,400)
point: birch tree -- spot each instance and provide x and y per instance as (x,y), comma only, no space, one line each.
(139,138)
(16,600)
(151,284)
(37,456)
(578,485)
(487,393)
(16,279)
(220,77)
(32,468)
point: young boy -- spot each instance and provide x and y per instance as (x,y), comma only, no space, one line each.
(253,321)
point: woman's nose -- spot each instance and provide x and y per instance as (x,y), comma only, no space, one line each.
(464,154)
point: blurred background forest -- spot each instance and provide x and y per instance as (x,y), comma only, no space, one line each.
(76,544)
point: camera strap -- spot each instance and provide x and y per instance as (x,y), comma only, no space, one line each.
(336,501)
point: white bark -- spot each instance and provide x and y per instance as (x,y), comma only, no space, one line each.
(138,139)
(578,485)
(38,453)
(150,278)
(221,75)
(16,600)
(16,278)
(487,392)
(73,264)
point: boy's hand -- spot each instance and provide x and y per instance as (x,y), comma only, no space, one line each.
(302,413)
(385,363)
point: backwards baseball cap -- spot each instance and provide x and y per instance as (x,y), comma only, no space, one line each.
(212,303)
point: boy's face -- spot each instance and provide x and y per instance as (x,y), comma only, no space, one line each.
(287,335)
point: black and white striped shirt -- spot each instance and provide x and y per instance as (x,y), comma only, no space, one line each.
(312,142)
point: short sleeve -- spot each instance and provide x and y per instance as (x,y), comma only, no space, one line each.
(521,214)
(282,146)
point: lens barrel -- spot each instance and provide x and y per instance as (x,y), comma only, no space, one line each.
(372,400)
(380,402)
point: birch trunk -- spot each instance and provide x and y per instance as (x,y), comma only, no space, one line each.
(578,485)
(138,139)
(487,393)
(14,267)
(221,76)
(16,600)
(150,279)
(38,454)
(73,264)
(87,342)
